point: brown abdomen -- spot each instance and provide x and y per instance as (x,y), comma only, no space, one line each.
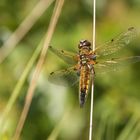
(83,84)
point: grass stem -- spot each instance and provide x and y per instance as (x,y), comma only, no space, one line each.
(30,92)
(92,88)
(23,28)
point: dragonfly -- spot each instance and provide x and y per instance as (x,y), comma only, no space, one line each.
(87,63)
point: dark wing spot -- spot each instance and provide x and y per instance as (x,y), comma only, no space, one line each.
(113,58)
(74,68)
(66,70)
(131,28)
(112,40)
(62,51)
(50,46)
(96,62)
(51,73)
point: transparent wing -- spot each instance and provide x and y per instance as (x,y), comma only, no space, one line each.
(116,44)
(114,64)
(65,77)
(68,57)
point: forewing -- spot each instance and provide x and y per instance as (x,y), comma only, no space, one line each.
(65,77)
(68,57)
(116,44)
(114,64)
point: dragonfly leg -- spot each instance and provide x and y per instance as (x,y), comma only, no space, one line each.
(91,66)
(77,69)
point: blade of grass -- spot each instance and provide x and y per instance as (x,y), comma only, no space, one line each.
(114,121)
(56,13)
(135,132)
(129,127)
(18,87)
(56,130)
(92,88)
(110,130)
(101,128)
(25,73)
(23,28)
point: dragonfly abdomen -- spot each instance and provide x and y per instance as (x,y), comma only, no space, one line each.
(84,84)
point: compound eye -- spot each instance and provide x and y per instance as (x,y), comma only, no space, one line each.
(79,46)
(84,43)
(87,43)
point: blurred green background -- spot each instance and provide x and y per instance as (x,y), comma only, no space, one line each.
(55,111)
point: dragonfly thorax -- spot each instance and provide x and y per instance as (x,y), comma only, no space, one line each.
(83,59)
(86,57)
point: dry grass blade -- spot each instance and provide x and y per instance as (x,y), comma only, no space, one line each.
(23,28)
(56,13)
(11,42)
(92,88)
(18,86)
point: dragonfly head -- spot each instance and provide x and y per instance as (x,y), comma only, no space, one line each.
(84,44)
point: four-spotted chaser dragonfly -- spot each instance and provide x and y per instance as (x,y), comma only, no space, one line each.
(87,63)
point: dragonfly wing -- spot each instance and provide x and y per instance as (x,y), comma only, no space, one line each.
(65,77)
(116,44)
(114,64)
(68,57)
